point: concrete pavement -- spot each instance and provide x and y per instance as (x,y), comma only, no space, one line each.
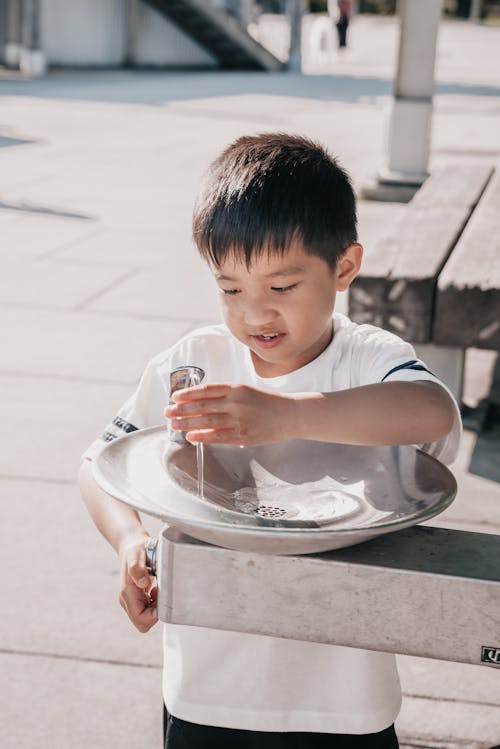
(98,172)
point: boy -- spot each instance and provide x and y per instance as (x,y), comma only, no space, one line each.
(276,222)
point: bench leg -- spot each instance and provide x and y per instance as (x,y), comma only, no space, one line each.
(445,362)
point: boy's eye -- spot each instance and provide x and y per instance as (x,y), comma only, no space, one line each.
(230,291)
(282,289)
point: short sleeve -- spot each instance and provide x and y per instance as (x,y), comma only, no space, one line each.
(383,357)
(143,409)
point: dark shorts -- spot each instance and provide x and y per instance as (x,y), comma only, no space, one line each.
(180,734)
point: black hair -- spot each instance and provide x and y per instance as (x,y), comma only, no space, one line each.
(264,191)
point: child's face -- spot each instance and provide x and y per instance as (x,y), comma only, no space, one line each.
(281,306)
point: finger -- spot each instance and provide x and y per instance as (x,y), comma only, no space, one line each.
(147,620)
(136,566)
(202,406)
(140,610)
(214,421)
(215,436)
(200,392)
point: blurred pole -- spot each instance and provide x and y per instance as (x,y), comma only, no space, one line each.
(32,60)
(13,40)
(295,10)
(246,12)
(132,24)
(406,156)
(476,8)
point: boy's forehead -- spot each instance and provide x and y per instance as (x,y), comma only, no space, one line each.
(291,261)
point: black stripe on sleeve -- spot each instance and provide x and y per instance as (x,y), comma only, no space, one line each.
(412,364)
(125,426)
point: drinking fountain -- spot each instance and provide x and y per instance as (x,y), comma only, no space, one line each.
(320,542)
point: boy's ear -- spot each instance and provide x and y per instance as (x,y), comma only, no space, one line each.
(348,265)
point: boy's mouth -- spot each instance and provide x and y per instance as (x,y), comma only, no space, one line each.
(268,340)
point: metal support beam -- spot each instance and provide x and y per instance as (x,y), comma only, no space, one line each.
(246,12)
(13,36)
(295,10)
(32,60)
(132,23)
(423,591)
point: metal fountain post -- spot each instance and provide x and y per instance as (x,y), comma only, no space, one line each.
(427,592)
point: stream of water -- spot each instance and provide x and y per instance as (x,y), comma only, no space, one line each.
(199,464)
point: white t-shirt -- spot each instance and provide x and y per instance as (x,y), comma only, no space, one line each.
(246,681)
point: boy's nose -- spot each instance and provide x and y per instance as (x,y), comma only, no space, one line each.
(257,313)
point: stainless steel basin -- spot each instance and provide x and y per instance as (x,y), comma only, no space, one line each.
(295,497)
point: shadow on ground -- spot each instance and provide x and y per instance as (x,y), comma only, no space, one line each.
(160,87)
(6,142)
(44,210)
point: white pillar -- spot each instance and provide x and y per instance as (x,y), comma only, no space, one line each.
(408,130)
(32,61)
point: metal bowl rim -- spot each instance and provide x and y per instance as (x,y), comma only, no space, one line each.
(221,525)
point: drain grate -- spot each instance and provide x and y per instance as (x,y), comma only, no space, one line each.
(268,511)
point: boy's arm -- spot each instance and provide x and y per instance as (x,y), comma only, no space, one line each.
(389,413)
(122,527)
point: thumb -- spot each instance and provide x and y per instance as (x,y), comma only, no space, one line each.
(136,565)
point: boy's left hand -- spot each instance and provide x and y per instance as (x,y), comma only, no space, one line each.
(232,414)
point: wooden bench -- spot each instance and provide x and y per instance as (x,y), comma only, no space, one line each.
(434,278)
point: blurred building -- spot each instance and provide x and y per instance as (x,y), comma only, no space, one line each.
(114,33)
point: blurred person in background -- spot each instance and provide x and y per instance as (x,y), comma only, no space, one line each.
(341,11)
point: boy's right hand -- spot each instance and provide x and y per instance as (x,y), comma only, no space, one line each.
(137,592)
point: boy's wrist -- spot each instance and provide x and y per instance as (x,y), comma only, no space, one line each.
(132,537)
(300,416)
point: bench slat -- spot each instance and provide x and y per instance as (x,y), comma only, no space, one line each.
(397,283)
(468,296)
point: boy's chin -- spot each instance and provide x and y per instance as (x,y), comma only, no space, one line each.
(272,366)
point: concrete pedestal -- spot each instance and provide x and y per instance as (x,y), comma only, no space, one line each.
(406,151)
(423,591)
(12,51)
(33,63)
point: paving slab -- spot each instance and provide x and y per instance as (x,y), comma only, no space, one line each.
(51,422)
(55,703)
(459,682)
(184,292)
(477,504)
(145,247)
(67,577)
(46,284)
(32,232)
(428,719)
(80,345)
